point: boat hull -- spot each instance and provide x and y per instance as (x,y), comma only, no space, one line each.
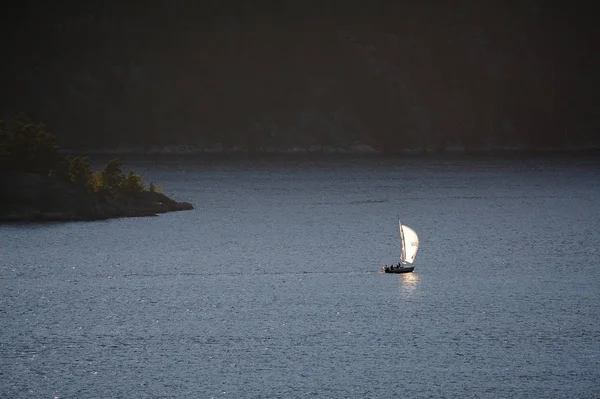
(397,270)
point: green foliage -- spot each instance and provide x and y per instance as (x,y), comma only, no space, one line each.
(112,181)
(96,182)
(80,171)
(155,188)
(113,176)
(29,147)
(133,184)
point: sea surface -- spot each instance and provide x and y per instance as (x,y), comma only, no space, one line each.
(272,287)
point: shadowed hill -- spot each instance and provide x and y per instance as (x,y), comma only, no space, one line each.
(280,74)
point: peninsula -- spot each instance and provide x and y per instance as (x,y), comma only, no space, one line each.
(40,183)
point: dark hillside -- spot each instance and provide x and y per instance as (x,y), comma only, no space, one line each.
(280,74)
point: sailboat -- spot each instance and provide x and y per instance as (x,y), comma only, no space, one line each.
(409,245)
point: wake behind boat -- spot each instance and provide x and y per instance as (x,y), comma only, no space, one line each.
(409,245)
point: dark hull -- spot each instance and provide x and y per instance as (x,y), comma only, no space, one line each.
(397,270)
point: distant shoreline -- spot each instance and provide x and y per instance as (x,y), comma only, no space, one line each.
(362,151)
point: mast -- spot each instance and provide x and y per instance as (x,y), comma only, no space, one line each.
(403,250)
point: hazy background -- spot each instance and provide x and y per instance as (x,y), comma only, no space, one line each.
(280,74)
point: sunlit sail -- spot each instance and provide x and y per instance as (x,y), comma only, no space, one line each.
(409,245)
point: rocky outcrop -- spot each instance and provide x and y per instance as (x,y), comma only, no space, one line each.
(33,197)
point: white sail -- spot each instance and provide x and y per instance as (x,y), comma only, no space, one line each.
(410,243)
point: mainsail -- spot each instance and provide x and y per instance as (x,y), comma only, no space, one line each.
(410,243)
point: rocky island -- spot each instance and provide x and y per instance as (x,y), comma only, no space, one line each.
(40,183)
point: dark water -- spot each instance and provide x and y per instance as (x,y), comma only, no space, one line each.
(271,287)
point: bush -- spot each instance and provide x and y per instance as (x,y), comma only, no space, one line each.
(113,176)
(96,182)
(133,184)
(80,171)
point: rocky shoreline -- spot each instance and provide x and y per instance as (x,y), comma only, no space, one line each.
(34,197)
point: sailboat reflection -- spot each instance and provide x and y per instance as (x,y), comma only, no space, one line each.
(408,281)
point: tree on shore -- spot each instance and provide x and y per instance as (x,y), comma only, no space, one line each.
(28,147)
